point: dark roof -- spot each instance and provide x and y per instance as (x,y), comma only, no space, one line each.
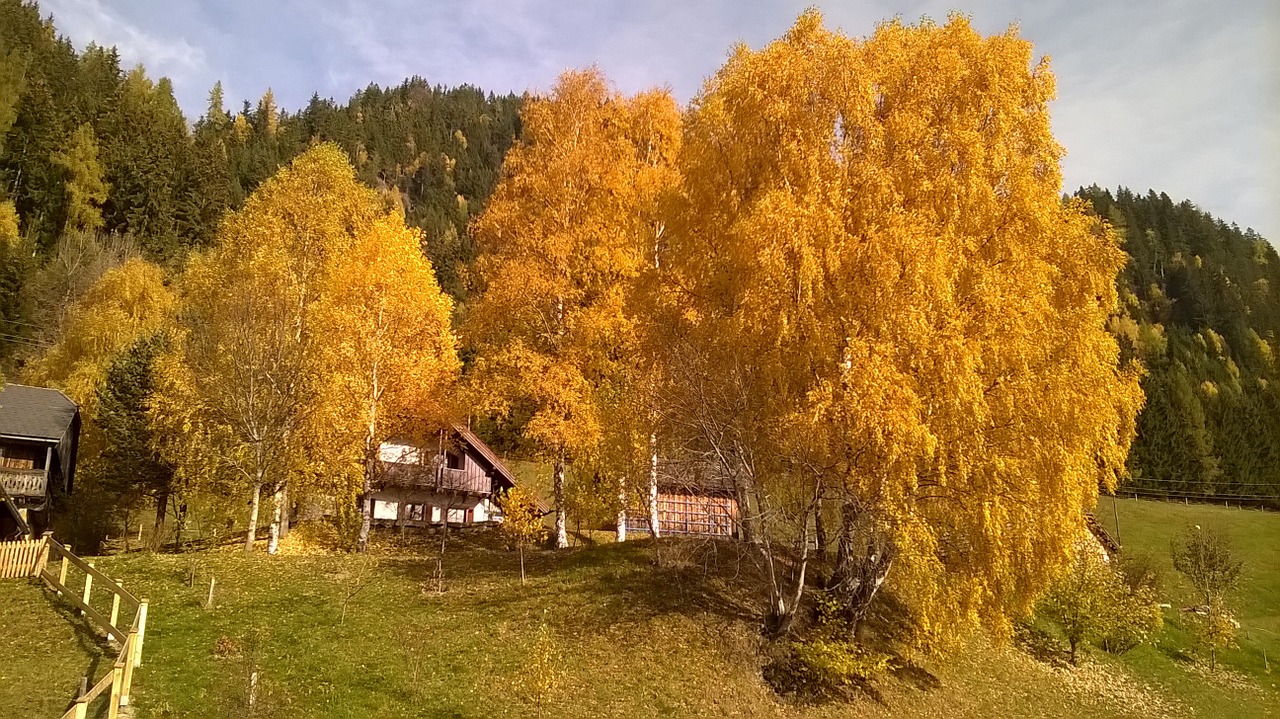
(483,450)
(35,413)
(1100,532)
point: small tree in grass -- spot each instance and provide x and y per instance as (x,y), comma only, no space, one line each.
(521,520)
(1078,601)
(1205,558)
(1093,602)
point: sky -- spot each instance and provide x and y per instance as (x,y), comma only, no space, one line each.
(1182,96)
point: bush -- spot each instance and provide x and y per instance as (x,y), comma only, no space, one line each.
(826,663)
(1096,602)
(1135,619)
(1140,571)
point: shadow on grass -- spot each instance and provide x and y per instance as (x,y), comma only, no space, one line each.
(88,640)
(1041,645)
(611,583)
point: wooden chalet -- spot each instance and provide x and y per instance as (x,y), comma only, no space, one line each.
(39,437)
(691,500)
(454,482)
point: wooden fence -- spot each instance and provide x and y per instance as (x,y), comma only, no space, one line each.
(37,557)
(21,559)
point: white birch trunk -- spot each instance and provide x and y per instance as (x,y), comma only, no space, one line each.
(273,539)
(654,521)
(621,535)
(254,502)
(562,533)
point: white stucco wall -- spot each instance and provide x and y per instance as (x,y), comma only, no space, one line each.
(388,504)
(396,452)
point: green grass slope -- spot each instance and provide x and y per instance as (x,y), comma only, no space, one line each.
(597,631)
(1249,684)
(44,650)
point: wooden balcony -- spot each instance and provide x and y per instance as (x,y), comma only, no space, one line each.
(24,483)
(435,478)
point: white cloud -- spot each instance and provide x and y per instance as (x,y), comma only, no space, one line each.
(1177,95)
(90,20)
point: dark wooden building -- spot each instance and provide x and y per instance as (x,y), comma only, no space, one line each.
(39,437)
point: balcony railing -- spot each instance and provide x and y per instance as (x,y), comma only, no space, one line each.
(24,482)
(437,478)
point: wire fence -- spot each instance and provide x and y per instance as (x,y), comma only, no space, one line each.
(1252,495)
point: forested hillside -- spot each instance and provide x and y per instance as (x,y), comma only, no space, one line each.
(1201,303)
(100,164)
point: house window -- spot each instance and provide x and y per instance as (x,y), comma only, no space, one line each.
(453,461)
(385,510)
(414,512)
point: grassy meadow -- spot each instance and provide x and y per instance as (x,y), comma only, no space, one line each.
(597,631)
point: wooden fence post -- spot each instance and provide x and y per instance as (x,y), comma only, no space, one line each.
(62,576)
(44,554)
(129,658)
(142,632)
(82,710)
(117,682)
(88,587)
(115,605)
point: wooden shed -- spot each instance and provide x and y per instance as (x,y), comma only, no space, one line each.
(691,500)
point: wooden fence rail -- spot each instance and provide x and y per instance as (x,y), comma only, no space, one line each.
(32,559)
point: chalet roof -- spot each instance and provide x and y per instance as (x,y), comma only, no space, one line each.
(483,450)
(1100,532)
(692,478)
(35,413)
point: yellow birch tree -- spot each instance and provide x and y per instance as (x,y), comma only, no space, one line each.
(389,356)
(234,395)
(877,299)
(126,303)
(568,230)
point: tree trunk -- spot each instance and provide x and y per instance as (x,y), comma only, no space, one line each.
(162,509)
(562,534)
(522,564)
(366,512)
(621,534)
(820,529)
(254,501)
(284,519)
(864,556)
(655,528)
(273,540)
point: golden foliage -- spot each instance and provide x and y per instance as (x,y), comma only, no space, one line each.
(389,356)
(871,245)
(128,302)
(521,520)
(236,389)
(569,229)
(9,233)
(562,240)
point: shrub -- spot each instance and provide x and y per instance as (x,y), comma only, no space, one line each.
(1094,602)
(827,662)
(1135,619)
(1140,571)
